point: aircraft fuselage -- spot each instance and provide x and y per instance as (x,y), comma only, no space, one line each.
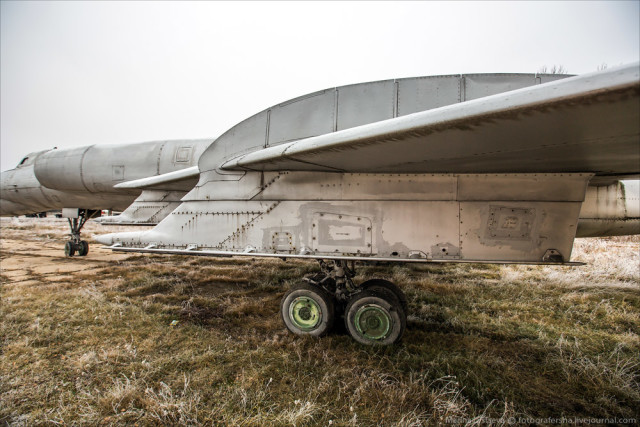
(85,177)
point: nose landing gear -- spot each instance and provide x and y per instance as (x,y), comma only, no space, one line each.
(374,312)
(76,245)
(77,219)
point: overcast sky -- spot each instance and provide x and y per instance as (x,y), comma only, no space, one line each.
(81,73)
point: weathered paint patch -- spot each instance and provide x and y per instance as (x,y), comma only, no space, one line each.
(341,233)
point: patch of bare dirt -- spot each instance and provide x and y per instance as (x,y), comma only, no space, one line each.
(33,249)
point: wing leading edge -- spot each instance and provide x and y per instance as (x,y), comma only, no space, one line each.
(587,123)
(182,179)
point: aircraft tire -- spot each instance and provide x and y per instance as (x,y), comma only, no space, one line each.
(373,318)
(69,248)
(307,310)
(385,288)
(83,248)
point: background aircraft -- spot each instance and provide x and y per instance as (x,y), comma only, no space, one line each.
(85,180)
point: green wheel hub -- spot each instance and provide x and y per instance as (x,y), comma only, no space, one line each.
(305,313)
(373,322)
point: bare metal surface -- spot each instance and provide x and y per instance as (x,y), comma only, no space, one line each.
(21,193)
(598,227)
(336,109)
(377,215)
(312,115)
(98,168)
(88,177)
(185,179)
(295,198)
(149,208)
(587,123)
(350,258)
(612,210)
(472,168)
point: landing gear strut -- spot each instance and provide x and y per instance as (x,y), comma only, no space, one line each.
(76,244)
(374,312)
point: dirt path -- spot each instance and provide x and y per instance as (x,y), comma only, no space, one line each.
(33,249)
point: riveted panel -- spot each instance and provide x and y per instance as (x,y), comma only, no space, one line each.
(426,93)
(540,186)
(365,103)
(517,231)
(250,135)
(341,233)
(183,154)
(302,118)
(338,186)
(282,241)
(480,85)
(509,223)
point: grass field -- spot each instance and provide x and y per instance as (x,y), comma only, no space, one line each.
(138,339)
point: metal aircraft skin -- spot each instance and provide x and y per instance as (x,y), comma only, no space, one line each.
(85,180)
(498,168)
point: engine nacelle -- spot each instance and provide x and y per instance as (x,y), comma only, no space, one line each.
(97,168)
(61,169)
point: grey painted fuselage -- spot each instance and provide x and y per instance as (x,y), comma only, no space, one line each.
(85,177)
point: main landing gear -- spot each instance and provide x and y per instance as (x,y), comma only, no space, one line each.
(374,312)
(76,244)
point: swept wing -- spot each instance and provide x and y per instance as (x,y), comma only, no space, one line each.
(588,123)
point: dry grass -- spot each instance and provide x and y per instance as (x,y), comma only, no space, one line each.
(156,340)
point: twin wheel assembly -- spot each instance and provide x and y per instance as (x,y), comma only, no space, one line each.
(73,246)
(374,312)
(76,222)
